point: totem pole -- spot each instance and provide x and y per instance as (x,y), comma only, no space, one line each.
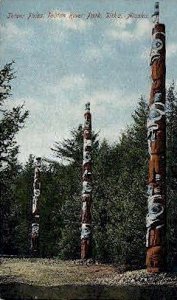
(87,186)
(156,128)
(35,208)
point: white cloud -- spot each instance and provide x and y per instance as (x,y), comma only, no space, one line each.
(10,31)
(124,33)
(145,54)
(68,23)
(171,50)
(51,121)
(116,98)
(96,53)
(29,103)
(111,111)
(69,82)
(123,23)
(93,53)
(112,107)
(112,133)
(76,25)
(14,37)
(143,29)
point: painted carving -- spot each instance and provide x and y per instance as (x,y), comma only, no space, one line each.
(87,145)
(35,229)
(35,236)
(86,157)
(156,126)
(85,231)
(87,175)
(35,207)
(87,187)
(157,45)
(155,210)
(87,134)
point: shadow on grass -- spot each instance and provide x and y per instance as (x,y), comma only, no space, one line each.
(25,291)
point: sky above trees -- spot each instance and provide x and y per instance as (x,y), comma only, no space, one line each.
(63,62)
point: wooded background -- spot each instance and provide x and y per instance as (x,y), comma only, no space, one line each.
(120,172)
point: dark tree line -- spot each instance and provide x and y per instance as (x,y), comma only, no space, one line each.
(119,207)
(10,124)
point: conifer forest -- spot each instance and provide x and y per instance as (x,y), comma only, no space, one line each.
(119,171)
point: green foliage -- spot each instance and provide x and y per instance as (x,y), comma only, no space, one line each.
(171,111)
(53,195)
(120,194)
(119,207)
(6,75)
(10,124)
(23,203)
(71,149)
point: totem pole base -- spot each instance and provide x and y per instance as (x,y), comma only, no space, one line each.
(154,270)
(35,254)
(154,261)
(85,249)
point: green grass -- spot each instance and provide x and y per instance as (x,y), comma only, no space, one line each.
(54,272)
(49,272)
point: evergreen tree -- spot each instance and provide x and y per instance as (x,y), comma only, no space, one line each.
(71,150)
(23,204)
(126,228)
(53,195)
(171,113)
(103,196)
(10,124)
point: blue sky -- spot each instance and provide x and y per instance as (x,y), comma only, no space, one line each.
(63,62)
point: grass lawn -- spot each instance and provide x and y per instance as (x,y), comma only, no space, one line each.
(50,272)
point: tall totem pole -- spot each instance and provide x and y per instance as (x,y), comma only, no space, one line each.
(87,186)
(156,125)
(35,208)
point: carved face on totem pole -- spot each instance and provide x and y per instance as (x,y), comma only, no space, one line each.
(157,58)
(35,236)
(85,231)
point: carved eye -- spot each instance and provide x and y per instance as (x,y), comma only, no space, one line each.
(35,227)
(37,192)
(154,113)
(156,209)
(87,156)
(157,44)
